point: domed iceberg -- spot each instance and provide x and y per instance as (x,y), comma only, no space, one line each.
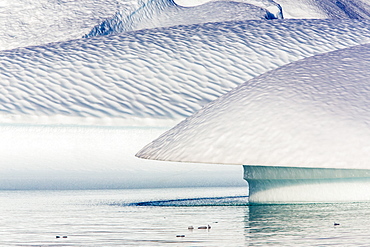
(301,131)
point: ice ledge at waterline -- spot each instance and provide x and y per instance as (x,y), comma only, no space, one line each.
(308,114)
(269,184)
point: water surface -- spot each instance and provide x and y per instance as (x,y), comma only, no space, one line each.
(156,217)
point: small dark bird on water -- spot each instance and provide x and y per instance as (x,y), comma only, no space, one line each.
(205,227)
(336,224)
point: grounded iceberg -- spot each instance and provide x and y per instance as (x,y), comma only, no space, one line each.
(304,124)
(139,83)
(73,113)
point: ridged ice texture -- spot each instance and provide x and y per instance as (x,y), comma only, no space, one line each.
(333,9)
(36,22)
(311,113)
(166,13)
(308,9)
(156,74)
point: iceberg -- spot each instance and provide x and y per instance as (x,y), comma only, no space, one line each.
(301,131)
(73,113)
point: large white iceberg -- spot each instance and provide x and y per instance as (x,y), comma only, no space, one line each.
(73,114)
(309,114)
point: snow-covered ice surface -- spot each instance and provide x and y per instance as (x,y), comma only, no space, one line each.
(306,9)
(310,113)
(321,9)
(165,13)
(36,22)
(162,13)
(28,23)
(152,76)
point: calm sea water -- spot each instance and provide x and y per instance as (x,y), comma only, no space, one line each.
(157,217)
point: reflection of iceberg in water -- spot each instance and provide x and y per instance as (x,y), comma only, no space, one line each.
(303,224)
(196,202)
(311,114)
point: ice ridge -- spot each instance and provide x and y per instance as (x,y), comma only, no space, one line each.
(165,13)
(127,20)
